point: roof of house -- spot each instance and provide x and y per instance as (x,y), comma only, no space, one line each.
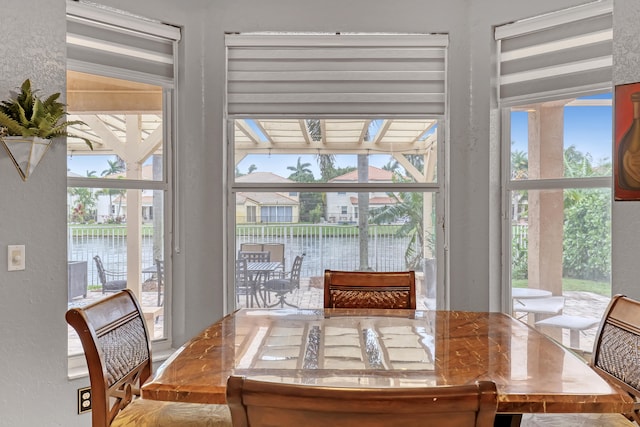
(262,177)
(375,174)
(266,199)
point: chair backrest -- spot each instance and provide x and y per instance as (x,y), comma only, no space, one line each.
(254,256)
(258,403)
(296,268)
(251,247)
(276,251)
(242,274)
(615,349)
(117,349)
(100,267)
(364,289)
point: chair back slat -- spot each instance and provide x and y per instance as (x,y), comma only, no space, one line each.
(255,256)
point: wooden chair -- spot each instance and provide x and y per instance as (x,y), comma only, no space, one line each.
(361,289)
(118,354)
(111,281)
(615,357)
(256,403)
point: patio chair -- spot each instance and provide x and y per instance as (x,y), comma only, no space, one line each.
(276,252)
(615,357)
(257,403)
(245,283)
(285,284)
(118,353)
(111,281)
(365,289)
(255,256)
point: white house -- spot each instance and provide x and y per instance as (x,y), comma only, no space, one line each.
(343,206)
(255,207)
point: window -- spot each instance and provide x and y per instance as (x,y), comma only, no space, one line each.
(117,216)
(350,124)
(555,83)
(251,214)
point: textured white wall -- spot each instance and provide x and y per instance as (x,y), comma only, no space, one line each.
(32,302)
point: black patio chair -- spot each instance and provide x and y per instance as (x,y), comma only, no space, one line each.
(286,284)
(110,280)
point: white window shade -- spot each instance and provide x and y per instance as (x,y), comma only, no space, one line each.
(336,74)
(566,53)
(119,45)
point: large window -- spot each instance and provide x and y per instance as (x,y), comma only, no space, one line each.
(119,84)
(337,141)
(555,90)
(386,221)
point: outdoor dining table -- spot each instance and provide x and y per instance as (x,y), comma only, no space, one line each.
(387,348)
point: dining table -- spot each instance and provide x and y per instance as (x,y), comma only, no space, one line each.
(387,348)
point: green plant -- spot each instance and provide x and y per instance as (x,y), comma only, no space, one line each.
(26,114)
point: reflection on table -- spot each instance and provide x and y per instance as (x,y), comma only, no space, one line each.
(403,348)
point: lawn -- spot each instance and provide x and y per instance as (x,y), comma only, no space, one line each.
(568,284)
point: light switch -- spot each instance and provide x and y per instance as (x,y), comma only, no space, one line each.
(15,257)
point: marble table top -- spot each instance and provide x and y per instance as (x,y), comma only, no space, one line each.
(386,348)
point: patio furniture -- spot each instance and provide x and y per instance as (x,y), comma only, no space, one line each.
(245,283)
(285,284)
(365,289)
(267,403)
(111,281)
(76,279)
(118,353)
(539,306)
(254,256)
(575,324)
(615,357)
(276,250)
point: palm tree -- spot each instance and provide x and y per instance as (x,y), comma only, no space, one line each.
(115,167)
(301,172)
(407,205)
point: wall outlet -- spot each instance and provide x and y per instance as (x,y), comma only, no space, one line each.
(84,400)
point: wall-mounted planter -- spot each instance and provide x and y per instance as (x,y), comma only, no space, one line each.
(25,152)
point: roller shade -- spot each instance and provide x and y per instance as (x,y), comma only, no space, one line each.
(119,45)
(336,74)
(565,53)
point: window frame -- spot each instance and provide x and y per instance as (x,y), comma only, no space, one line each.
(167,80)
(510,185)
(439,188)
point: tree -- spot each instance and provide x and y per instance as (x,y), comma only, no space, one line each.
(407,205)
(301,172)
(115,167)
(83,204)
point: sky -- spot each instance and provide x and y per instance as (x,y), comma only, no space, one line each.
(589,129)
